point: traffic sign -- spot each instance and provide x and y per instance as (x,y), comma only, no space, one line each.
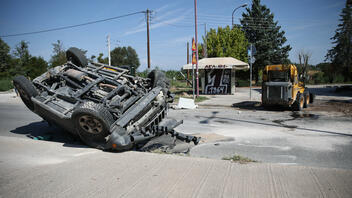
(252,59)
(251,50)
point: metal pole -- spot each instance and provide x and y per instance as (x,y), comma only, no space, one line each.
(196,41)
(109,56)
(187,62)
(233,12)
(148,44)
(250,74)
(205,41)
(193,81)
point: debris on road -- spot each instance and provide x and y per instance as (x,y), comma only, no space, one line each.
(185,103)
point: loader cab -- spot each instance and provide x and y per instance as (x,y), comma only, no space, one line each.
(280,84)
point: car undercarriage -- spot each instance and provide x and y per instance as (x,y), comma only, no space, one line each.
(102,104)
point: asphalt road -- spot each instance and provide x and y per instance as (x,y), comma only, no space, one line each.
(313,137)
(309,138)
(63,167)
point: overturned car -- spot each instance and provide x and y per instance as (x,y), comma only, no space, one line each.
(104,105)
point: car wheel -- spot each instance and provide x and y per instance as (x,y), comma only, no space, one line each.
(76,56)
(92,123)
(299,103)
(158,78)
(26,90)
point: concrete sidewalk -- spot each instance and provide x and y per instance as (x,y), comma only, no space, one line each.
(241,95)
(49,169)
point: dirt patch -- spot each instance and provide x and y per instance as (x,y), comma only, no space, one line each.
(342,106)
(296,115)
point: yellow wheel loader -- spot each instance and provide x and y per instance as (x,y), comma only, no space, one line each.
(281,87)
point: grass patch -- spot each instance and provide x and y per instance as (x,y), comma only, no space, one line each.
(201,98)
(5,84)
(239,159)
(179,84)
(180,89)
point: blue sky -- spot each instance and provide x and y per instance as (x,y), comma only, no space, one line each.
(308,24)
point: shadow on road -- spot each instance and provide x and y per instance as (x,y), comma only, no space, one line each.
(42,131)
(257,106)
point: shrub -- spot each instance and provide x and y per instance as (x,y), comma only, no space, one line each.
(338,78)
(319,78)
(6,84)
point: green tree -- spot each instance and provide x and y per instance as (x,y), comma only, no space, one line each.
(59,54)
(340,55)
(124,56)
(21,62)
(36,66)
(262,31)
(328,71)
(101,59)
(25,63)
(5,59)
(225,42)
(92,58)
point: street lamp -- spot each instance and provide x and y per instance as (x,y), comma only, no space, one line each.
(241,6)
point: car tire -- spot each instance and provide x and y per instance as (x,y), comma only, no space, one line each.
(299,103)
(26,90)
(306,100)
(76,56)
(158,78)
(92,123)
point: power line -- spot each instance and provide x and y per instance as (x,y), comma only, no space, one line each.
(72,26)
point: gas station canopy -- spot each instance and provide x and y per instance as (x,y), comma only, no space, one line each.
(219,63)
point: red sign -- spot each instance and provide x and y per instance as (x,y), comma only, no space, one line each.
(193,45)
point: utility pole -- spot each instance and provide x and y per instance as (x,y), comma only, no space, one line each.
(250,72)
(109,50)
(187,62)
(196,40)
(148,43)
(205,41)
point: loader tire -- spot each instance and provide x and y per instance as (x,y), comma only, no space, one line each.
(299,103)
(306,99)
(92,123)
(26,90)
(311,97)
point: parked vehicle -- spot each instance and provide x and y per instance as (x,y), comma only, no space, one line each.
(281,87)
(104,105)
